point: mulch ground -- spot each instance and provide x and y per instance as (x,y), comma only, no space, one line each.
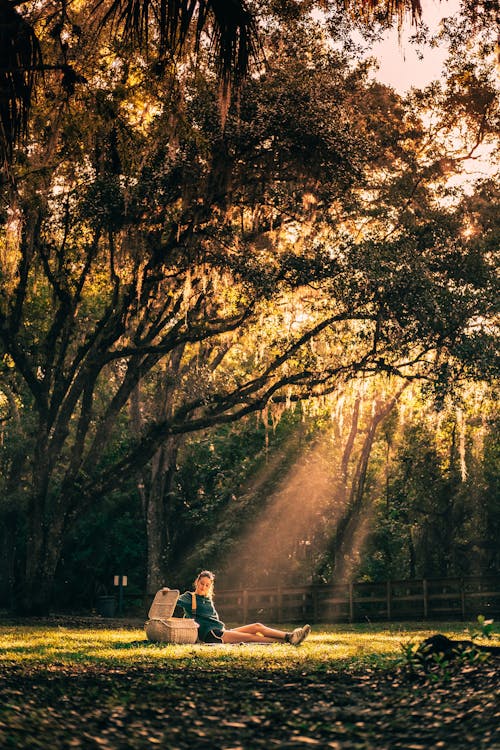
(453,705)
(67,707)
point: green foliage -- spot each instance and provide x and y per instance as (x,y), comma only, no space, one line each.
(423,662)
(431,520)
(223,481)
(108,540)
(484,628)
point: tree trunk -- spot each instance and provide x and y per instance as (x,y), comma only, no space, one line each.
(12,512)
(8,555)
(339,498)
(412,559)
(346,526)
(45,539)
(156,483)
(163,470)
(45,531)
(346,456)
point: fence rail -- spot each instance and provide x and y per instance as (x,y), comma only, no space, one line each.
(433,599)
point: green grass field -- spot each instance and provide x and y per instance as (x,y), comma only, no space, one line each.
(340,646)
(345,688)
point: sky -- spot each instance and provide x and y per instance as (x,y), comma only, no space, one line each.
(398,60)
(401,68)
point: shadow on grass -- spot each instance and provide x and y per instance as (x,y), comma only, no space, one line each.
(135,644)
(208,646)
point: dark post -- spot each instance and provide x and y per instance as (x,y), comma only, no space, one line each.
(245,606)
(315,602)
(120,581)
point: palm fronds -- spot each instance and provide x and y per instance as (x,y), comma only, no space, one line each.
(234,37)
(229,24)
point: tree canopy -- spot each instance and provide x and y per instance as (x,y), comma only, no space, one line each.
(231,28)
(165,271)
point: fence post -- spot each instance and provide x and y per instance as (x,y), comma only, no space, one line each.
(315,603)
(426,598)
(389,608)
(245,606)
(351,603)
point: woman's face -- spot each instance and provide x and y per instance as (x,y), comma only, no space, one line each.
(204,586)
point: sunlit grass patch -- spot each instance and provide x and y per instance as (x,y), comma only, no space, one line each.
(329,646)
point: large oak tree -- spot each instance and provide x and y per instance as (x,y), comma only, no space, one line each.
(296,246)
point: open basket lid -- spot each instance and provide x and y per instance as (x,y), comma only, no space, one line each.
(163,604)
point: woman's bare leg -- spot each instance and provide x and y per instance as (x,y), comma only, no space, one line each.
(257,628)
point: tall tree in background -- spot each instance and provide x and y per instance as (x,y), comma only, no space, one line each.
(437,511)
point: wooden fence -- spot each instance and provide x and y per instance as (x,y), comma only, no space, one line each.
(443,598)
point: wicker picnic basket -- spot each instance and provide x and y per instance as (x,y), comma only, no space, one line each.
(162,627)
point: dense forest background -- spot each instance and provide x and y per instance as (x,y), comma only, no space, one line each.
(248,302)
(261,503)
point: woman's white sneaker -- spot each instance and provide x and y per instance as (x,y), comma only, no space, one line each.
(298,635)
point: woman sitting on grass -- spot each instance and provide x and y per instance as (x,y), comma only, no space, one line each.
(212,630)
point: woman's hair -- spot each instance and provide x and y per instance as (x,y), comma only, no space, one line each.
(206,574)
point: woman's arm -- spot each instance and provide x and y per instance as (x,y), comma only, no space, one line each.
(185,601)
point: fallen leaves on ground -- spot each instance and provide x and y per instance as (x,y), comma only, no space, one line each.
(69,687)
(68,706)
